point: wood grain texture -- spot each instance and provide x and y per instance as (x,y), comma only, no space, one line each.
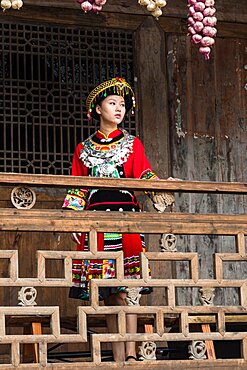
(69,221)
(85,181)
(207,109)
(173,20)
(229,10)
(150,54)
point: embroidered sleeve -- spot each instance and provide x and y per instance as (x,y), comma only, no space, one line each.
(149,175)
(76,199)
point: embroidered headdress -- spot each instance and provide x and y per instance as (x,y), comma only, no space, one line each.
(115,86)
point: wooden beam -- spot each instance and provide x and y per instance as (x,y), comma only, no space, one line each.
(153,99)
(173,21)
(71,17)
(135,184)
(209,343)
(153,223)
(212,319)
(227,10)
(224,364)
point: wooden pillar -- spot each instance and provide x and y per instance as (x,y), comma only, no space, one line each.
(153,115)
(152,94)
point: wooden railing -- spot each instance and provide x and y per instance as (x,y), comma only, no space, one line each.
(200,326)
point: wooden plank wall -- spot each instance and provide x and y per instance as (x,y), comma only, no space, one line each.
(192,113)
(208,135)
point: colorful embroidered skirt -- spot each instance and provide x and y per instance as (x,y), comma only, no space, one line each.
(131,245)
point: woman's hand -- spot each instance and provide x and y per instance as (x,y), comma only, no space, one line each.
(174,179)
(162,200)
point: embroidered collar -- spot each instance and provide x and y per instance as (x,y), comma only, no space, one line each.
(99,134)
(102,139)
(117,153)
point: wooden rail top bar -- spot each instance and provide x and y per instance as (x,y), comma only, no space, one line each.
(135,184)
(156,223)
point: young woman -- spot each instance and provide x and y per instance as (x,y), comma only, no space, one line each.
(111,152)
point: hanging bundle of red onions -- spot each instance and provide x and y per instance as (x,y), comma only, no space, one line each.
(201,24)
(91,5)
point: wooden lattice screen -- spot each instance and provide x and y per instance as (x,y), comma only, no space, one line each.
(202,323)
(46,73)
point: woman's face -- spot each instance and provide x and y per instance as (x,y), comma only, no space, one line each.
(111,110)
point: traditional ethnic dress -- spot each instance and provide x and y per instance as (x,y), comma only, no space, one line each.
(119,155)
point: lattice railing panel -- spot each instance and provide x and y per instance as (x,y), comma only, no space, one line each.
(185,316)
(203,324)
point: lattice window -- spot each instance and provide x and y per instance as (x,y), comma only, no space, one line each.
(46,73)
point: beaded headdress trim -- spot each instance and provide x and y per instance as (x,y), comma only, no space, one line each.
(118,85)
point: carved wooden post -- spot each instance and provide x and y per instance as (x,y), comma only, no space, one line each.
(168,243)
(27,296)
(133,296)
(198,349)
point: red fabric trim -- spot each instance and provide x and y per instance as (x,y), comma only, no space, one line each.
(109,203)
(112,134)
(132,245)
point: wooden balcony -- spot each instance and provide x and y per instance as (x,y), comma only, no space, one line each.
(183,314)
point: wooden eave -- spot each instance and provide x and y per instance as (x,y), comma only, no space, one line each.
(128,14)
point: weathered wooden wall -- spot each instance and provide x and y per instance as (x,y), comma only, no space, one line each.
(208,134)
(192,113)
